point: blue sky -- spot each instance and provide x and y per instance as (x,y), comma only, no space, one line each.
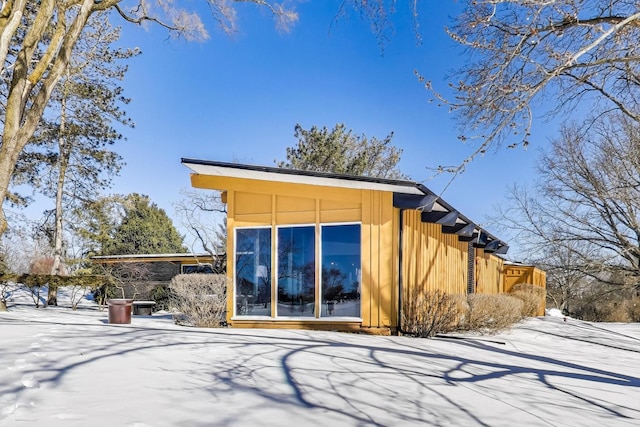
(239,98)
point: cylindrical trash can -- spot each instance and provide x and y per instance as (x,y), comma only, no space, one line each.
(120,310)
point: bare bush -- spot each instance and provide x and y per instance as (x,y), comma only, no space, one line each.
(6,288)
(633,309)
(76,293)
(427,313)
(531,297)
(490,313)
(121,280)
(35,292)
(199,299)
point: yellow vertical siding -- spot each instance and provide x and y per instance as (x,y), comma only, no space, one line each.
(432,259)
(515,274)
(489,273)
(379,272)
(254,203)
(231,259)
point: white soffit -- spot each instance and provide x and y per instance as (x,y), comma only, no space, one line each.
(215,170)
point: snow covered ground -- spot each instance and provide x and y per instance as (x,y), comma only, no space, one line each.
(71,368)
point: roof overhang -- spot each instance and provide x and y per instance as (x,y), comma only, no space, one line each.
(181,257)
(406,195)
(265,173)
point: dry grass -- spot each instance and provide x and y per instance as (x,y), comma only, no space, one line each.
(622,311)
(428,313)
(531,297)
(199,299)
(490,313)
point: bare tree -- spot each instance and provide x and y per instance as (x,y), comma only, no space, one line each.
(545,57)
(69,158)
(584,216)
(203,216)
(37,39)
(566,283)
(122,279)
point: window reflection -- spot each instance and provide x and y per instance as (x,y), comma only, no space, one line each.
(253,272)
(341,271)
(296,271)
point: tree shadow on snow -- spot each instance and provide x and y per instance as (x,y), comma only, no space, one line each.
(356,379)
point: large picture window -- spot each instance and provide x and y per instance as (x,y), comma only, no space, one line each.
(297,294)
(296,271)
(341,270)
(253,272)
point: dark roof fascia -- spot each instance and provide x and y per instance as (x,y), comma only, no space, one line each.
(450,208)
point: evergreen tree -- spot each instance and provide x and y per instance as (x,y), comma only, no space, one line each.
(144,229)
(339,150)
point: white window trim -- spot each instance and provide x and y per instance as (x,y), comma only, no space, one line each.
(235,266)
(278,227)
(334,224)
(274,279)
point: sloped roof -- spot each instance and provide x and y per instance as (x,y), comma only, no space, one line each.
(407,194)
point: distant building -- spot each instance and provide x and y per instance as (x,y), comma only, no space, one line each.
(144,272)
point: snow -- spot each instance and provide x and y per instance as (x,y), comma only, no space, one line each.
(60,367)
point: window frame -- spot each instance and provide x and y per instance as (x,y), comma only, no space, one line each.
(319,267)
(235,269)
(277,273)
(205,264)
(318,252)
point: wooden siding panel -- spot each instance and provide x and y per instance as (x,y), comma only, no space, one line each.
(345,215)
(252,203)
(489,273)
(393,311)
(230,250)
(333,205)
(515,274)
(253,220)
(432,260)
(295,204)
(387,280)
(375,257)
(284,218)
(366,275)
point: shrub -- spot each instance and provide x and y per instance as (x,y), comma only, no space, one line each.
(199,299)
(490,313)
(104,292)
(160,294)
(531,297)
(633,307)
(427,313)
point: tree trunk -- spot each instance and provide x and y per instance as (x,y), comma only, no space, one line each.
(24,109)
(9,151)
(3,305)
(56,268)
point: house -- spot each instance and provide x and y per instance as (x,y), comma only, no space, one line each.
(140,274)
(331,251)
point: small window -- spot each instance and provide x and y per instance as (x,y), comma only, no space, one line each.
(197,268)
